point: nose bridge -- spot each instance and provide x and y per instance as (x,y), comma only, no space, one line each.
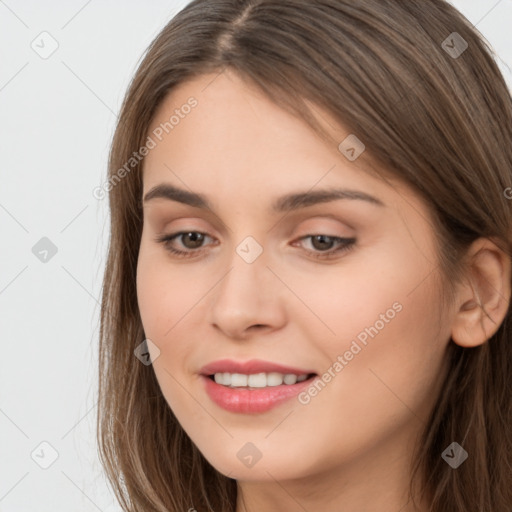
(247,278)
(247,293)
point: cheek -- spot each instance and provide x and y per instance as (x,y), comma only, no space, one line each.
(165,294)
(381,313)
(391,342)
(164,311)
(346,298)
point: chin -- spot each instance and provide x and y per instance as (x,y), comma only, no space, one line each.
(240,467)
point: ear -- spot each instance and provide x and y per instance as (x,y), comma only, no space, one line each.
(484,298)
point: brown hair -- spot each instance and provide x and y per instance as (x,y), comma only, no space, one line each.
(439,122)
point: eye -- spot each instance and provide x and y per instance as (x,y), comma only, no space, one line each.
(193,240)
(320,242)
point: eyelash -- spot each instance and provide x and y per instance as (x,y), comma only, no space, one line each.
(347,244)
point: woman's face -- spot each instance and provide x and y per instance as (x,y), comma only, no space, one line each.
(266,283)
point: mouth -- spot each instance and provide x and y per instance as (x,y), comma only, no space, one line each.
(258,381)
(254,396)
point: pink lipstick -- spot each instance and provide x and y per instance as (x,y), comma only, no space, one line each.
(252,399)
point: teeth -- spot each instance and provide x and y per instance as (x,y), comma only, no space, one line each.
(238,380)
(257,380)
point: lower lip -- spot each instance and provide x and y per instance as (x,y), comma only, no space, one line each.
(252,400)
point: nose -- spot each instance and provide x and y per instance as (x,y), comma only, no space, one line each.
(248,299)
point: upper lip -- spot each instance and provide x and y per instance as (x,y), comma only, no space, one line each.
(249,367)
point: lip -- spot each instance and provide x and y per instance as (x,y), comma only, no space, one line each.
(250,367)
(244,400)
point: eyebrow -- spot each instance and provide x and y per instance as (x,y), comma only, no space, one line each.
(286,203)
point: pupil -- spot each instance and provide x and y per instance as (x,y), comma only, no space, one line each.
(197,236)
(322,237)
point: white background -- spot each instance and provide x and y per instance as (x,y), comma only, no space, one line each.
(57,119)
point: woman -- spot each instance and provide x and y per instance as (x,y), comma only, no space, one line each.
(246,366)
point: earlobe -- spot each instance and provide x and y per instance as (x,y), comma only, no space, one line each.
(485,296)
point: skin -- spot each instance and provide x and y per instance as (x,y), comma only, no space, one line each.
(352,443)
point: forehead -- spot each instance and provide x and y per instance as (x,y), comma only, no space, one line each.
(235,139)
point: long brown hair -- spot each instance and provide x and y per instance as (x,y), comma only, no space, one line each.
(432,111)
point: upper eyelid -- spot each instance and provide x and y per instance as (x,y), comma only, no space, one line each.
(294,217)
(332,217)
(176,235)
